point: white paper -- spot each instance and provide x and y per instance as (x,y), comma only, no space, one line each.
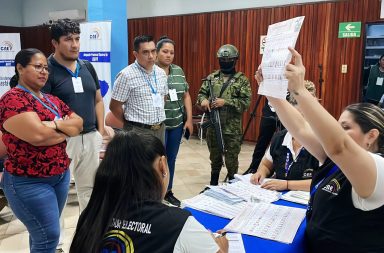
(300,197)
(268,221)
(276,56)
(207,204)
(235,242)
(250,192)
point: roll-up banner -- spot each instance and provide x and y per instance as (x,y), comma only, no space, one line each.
(95,46)
(9,47)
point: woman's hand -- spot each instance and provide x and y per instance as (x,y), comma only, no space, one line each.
(257,178)
(295,73)
(222,242)
(259,75)
(277,185)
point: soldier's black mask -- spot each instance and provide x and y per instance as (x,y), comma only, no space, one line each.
(227,66)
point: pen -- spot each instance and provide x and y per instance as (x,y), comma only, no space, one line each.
(218,235)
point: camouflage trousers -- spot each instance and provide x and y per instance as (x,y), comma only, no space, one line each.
(232,145)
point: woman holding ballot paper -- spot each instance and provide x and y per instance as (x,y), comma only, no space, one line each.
(345,212)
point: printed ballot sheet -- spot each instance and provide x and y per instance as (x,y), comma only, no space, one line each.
(211,205)
(268,221)
(276,56)
(300,197)
(235,242)
(250,192)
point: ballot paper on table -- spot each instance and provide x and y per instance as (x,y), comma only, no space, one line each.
(276,56)
(219,194)
(268,221)
(250,192)
(300,197)
(235,242)
(213,206)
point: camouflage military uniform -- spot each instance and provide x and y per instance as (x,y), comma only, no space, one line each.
(237,98)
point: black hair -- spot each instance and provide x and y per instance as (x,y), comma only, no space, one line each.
(162,40)
(141,39)
(124,180)
(381,57)
(63,27)
(23,57)
(369,116)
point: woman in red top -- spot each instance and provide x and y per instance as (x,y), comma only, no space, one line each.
(34,127)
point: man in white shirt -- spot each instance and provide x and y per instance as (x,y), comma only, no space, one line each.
(141,88)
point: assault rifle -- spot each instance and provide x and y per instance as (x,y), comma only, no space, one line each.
(214,121)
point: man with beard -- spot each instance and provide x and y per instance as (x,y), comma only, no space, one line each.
(75,82)
(233,95)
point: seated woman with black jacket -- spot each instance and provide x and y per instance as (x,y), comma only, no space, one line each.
(125,212)
(286,157)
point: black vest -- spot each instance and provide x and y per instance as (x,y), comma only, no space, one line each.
(334,224)
(154,227)
(301,169)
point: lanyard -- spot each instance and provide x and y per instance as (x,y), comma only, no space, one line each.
(76,74)
(289,164)
(56,112)
(334,169)
(148,79)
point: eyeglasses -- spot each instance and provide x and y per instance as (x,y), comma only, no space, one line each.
(40,68)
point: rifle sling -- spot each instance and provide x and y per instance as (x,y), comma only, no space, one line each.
(225,85)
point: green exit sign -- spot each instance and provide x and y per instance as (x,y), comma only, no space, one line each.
(349,30)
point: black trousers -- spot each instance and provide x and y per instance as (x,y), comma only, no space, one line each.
(268,124)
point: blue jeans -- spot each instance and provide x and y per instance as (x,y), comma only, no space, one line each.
(172,144)
(38,203)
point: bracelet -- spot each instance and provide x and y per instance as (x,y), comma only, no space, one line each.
(287,184)
(54,122)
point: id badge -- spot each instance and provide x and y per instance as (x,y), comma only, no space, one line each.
(57,118)
(157,100)
(379,81)
(77,85)
(173,95)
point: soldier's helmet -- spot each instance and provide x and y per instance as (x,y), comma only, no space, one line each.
(228,51)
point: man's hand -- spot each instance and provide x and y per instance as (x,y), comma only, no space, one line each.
(218,102)
(205,105)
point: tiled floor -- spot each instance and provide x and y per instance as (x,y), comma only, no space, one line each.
(192,174)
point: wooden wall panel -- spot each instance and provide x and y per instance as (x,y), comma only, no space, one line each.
(198,36)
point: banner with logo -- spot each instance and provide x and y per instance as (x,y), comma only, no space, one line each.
(9,47)
(95,46)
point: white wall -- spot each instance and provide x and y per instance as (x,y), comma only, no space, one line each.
(36,12)
(10,13)
(152,8)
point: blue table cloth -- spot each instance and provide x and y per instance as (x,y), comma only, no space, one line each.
(253,243)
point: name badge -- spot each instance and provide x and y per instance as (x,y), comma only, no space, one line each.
(77,85)
(157,100)
(173,95)
(379,81)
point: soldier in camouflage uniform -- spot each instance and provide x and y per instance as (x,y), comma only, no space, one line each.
(234,100)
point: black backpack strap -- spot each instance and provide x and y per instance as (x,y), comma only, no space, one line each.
(92,70)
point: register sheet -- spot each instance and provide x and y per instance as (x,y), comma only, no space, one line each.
(276,56)
(268,221)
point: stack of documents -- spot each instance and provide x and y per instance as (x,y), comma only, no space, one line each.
(250,192)
(211,205)
(219,194)
(269,221)
(300,197)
